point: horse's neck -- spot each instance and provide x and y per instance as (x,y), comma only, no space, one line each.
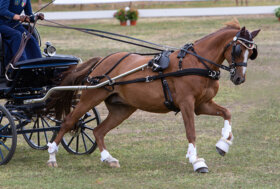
(212,48)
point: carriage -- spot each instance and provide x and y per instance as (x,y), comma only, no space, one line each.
(32,79)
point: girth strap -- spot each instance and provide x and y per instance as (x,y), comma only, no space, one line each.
(169,103)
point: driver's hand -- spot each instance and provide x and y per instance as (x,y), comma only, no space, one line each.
(24,18)
(40,16)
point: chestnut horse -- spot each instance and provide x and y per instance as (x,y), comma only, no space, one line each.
(191,94)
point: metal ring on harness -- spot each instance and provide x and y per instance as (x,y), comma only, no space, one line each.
(111,83)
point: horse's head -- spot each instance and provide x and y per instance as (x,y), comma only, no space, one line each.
(239,50)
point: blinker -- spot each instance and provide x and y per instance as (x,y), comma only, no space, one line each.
(255,54)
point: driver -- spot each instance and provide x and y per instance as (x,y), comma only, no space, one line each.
(11,29)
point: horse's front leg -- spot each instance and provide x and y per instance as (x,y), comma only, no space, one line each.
(187,110)
(211,108)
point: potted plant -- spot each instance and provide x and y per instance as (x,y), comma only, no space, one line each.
(121,16)
(277,13)
(132,15)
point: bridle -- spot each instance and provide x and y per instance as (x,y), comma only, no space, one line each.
(236,52)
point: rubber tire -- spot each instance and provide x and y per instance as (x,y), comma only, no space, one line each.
(9,156)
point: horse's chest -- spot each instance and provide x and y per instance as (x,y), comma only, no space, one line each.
(209,92)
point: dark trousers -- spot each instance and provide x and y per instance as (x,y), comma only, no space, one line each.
(12,38)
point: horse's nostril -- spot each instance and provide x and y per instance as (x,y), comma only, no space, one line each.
(238,80)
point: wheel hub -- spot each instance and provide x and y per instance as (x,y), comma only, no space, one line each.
(77,129)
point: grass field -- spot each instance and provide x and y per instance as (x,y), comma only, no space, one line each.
(152,147)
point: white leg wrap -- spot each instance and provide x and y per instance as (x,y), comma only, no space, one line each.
(52,158)
(106,157)
(226,130)
(223,143)
(199,163)
(53,148)
(196,162)
(192,154)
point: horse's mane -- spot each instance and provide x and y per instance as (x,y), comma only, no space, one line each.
(233,24)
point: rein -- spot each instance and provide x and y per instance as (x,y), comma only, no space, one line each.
(24,40)
(183,51)
(109,34)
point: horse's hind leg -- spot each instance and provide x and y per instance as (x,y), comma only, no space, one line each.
(89,99)
(117,114)
(211,108)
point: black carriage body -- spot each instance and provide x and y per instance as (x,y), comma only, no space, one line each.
(39,72)
(32,78)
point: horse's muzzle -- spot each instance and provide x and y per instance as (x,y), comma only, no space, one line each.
(237,80)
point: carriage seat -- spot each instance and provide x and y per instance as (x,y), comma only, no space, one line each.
(46,62)
(160,62)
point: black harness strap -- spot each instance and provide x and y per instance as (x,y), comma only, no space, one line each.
(169,103)
(117,63)
(95,80)
(184,72)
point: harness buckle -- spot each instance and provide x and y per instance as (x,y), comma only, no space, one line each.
(111,82)
(232,71)
(214,74)
(148,79)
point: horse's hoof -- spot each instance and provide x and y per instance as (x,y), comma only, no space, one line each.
(114,164)
(52,164)
(200,166)
(202,170)
(221,152)
(222,146)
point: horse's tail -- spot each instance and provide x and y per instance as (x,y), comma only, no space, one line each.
(61,101)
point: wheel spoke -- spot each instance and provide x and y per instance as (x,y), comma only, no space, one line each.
(4,126)
(5,146)
(88,128)
(89,120)
(38,133)
(77,144)
(6,136)
(89,138)
(1,154)
(34,127)
(85,145)
(1,118)
(46,137)
(70,141)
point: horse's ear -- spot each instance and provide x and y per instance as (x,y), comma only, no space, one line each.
(255,33)
(243,30)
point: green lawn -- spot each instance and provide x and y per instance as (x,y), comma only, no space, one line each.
(151,148)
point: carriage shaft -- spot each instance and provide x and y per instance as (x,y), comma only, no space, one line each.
(82,87)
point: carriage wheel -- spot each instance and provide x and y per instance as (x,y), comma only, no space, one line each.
(39,140)
(8,136)
(79,140)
